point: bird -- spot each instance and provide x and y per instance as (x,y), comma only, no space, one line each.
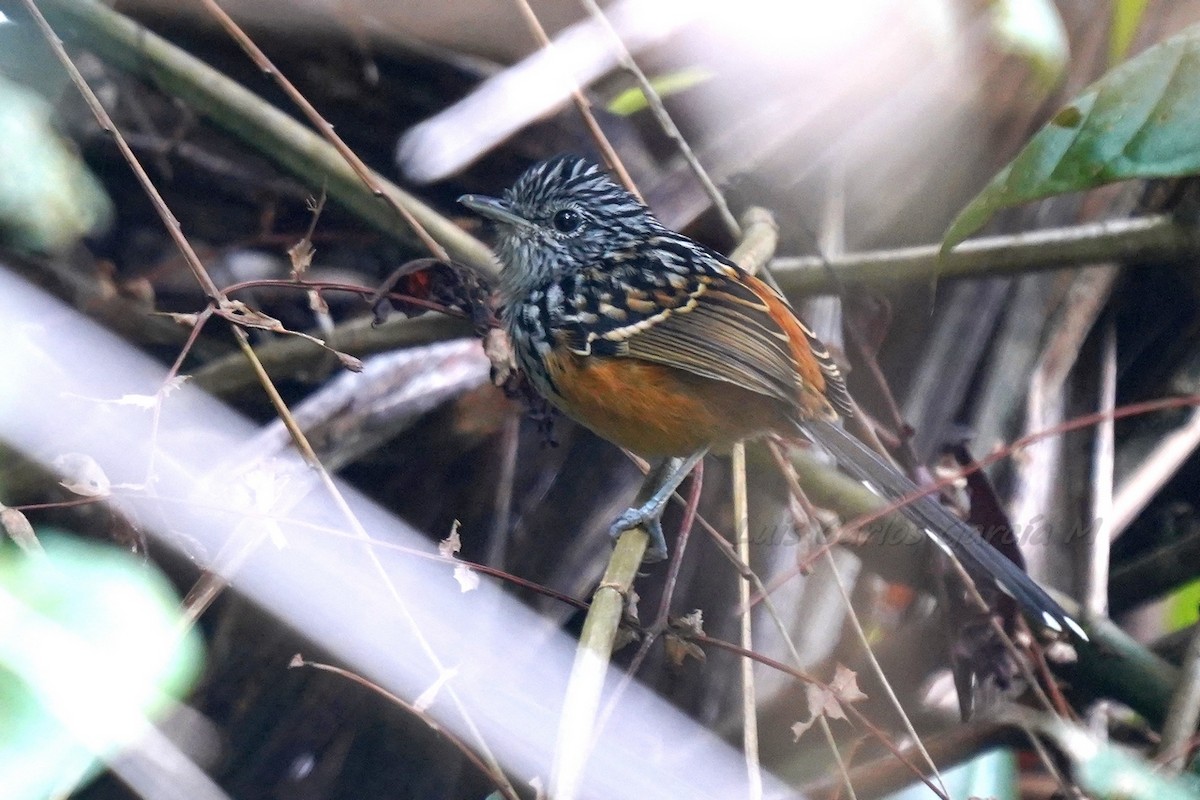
(669,349)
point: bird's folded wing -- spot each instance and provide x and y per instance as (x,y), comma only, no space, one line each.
(729,326)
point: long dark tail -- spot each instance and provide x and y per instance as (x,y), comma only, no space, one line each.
(981,561)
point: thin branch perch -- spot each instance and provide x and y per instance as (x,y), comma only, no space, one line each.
(1127,241)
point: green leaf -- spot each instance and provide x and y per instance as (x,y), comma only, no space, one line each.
(1141,120)
(1109,771)
(633,100)
(88,648)
(1182,610)
(1126,18)
(48,199)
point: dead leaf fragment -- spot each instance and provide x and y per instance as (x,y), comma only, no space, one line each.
(449,547)
(17,526)
(499,352)
(301,255)
(188,320)
(845,685)
(691,624)
(828,700)
(468,579)
(800,728)
(349,362)
(238,312)
(82,475)
(679,649)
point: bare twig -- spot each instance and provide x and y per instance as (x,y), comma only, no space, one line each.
(1144,483)
(360,533)
(664,119)
(1048,763)
(1099,541)
(172,373)
(596,640)
(364,173)
(1183,714)
(359,337)
(582,104)
(789,475)
(502,786)
(1033,497)
(662,619)
(293,146)
(877,732)
(885,774)
(741,522)
(497,549)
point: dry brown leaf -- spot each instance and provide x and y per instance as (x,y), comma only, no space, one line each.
(691,624)
(679,649)
(301,255)
(242,314)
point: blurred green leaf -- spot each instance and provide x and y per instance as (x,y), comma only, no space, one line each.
(1184,606)
(48,199)
(1141,120)
(1034,30)
(1126,19)
(633,100)
(88,648)
(1105,770)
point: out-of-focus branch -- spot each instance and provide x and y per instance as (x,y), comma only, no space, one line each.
(1184,712)
(296,148)
(1127,241)
(1158,571)
(287,355)
(582,702)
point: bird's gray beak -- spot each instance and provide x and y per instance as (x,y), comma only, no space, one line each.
(493,208)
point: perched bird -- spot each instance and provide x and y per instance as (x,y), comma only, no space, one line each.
(667,348)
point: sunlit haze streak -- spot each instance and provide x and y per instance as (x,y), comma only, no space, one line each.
(511,665)
(532,88)
(777,33)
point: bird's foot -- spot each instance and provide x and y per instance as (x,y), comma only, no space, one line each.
(648,516)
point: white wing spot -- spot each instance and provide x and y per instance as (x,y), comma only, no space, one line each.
(623,333)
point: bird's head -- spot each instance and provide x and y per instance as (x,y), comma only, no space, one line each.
(560,216)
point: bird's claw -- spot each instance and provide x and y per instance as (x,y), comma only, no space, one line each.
(641,517)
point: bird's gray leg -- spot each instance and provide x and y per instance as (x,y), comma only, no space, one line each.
(666,477)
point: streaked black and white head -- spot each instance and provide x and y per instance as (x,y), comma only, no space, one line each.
(561,215)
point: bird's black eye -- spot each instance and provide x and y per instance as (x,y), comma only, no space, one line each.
(567,220)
